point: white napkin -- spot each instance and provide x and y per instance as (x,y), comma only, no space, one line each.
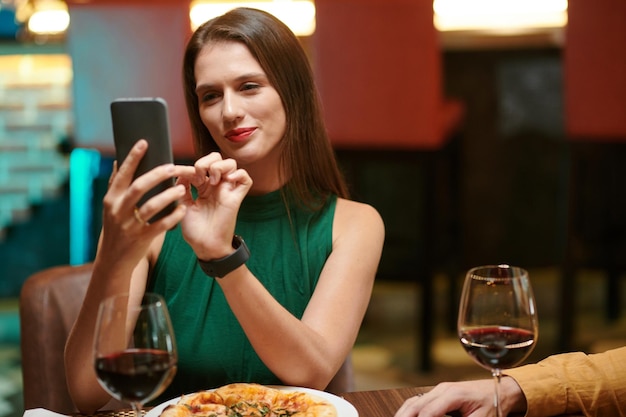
(41,412)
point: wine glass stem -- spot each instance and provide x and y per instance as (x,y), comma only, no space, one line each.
(136,408)
(497,375)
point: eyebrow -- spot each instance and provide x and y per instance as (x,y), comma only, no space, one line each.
(243,77)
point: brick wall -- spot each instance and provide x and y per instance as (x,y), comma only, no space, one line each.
(35,120)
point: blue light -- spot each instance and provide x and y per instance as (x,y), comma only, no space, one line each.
(84,168)
(9,26)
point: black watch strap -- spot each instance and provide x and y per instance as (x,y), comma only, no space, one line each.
(220,267)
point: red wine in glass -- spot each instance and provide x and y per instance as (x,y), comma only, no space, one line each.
(497,323)
(498,347)
(135,356)
(136,374)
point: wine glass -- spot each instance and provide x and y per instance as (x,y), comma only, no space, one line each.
(134,348)
(497,322)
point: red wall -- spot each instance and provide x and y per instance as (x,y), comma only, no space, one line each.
(595,70)
(127,49)
(378,65)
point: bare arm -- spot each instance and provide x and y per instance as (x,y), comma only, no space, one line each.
(309,352)
(125,250)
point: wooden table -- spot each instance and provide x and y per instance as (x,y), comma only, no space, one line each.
(383,403)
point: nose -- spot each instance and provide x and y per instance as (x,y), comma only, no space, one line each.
(231,109)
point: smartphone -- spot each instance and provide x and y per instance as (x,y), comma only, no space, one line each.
(144,118)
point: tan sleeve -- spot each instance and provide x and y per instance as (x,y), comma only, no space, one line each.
(574,383)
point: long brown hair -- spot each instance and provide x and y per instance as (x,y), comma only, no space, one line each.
(306,153)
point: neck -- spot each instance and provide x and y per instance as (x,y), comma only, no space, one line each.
(264,179)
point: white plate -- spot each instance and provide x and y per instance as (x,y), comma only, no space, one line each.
(344,408)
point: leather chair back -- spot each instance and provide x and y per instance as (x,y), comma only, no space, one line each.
(49,304)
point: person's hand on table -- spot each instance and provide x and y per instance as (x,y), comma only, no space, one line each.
(467,398)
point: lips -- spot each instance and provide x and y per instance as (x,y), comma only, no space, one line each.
(239,135)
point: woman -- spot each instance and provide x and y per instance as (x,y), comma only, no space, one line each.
(266,171)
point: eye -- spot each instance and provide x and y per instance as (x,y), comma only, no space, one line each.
(250,87)
(208,96)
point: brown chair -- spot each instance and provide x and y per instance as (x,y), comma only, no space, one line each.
(49,304)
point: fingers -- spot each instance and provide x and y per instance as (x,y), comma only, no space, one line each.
(212,170)
(126,170)
(213,167)
(141,222)
(148,181)
(161,201)
(113,172)
(239,176)
(411,407)
(184,171)
(139,218)
(219,171)
(469,398)
(435,403)
(147,211)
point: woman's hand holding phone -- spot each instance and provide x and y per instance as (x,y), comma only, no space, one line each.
(125,234)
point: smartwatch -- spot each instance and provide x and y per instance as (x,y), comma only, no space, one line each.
(218,268)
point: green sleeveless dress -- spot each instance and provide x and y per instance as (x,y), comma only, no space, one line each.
(288,252)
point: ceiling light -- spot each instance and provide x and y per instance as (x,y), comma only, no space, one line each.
(499,15)
(298,15)
(49,18)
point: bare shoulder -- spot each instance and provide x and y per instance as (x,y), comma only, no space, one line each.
(350,215)
(351,208)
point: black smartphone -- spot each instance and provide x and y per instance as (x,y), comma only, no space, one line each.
(144,118)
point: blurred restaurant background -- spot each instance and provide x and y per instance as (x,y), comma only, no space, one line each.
(484,131)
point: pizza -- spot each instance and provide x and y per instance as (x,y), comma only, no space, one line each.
(250,400)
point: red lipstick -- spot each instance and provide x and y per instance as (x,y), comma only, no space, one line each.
(240,134)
